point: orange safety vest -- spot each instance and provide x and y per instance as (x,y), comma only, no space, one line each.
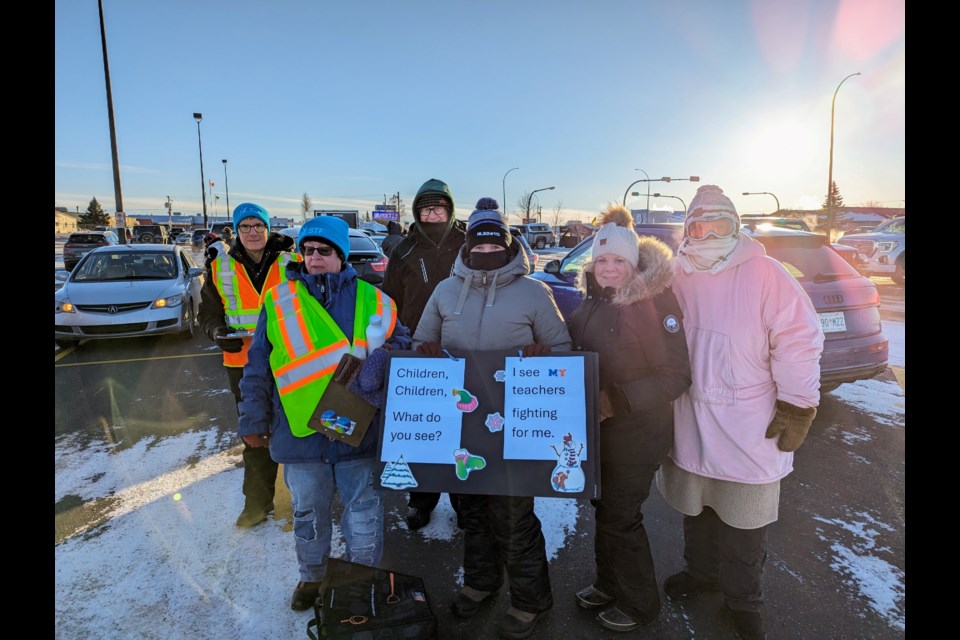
(241,300)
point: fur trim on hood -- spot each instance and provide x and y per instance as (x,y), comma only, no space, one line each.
(653,275)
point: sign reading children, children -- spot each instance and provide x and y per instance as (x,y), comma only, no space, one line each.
(491,422)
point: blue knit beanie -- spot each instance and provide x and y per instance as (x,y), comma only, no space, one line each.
(329,229)
(250,210)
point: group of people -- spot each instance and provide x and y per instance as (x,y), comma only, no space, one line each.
(709,381)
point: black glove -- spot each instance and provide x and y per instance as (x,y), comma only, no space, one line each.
(791,423)
(430,349)
(535,349)
(230,345)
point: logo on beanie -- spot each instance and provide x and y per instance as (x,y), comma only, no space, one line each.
(603,241)
(671,324)
(495,234)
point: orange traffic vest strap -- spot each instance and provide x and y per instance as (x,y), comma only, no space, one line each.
(308,344)
(241,300)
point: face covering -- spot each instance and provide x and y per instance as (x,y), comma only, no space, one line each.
(488,261)
(705,255)
(434,230)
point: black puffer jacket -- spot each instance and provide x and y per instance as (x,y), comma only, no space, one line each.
(644,364)
(212,314)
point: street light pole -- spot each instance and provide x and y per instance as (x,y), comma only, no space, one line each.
(663,195)
(648,189)
(169,206)
(120,217)
(504,185)
(763,193)
(203,183)
(226,185)
(830,171)
(530,199)
(648,181)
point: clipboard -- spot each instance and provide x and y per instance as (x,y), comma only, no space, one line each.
(341,414)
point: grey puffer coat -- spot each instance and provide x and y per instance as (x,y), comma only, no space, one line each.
(488,310)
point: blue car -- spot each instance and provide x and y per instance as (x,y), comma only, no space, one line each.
(847,303)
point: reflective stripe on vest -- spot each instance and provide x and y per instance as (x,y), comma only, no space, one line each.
(241,302)
(308,344)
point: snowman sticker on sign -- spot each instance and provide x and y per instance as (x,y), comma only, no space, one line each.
(567,476)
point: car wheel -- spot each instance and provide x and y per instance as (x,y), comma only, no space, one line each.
(541,243)
(827,388)
(64,343)
(145,238)
(898,274)
(187,321)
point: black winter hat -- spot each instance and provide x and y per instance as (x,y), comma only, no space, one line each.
(487,226)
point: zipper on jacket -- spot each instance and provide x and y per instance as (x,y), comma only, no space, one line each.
(423,270)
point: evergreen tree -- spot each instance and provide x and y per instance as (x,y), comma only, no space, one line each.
(837,198)
(94,216)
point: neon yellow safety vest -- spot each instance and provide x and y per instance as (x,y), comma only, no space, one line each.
(308,344)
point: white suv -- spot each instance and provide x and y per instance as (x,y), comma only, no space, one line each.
(883,249)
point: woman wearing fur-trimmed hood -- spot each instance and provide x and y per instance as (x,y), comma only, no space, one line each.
(631,318)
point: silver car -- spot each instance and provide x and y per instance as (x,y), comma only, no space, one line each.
(127,291)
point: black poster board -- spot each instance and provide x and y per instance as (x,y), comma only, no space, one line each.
(490,422)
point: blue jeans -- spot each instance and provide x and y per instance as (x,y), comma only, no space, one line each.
(311,487)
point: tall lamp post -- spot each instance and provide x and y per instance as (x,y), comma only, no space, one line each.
(203,183)
(226,185)
(648,189)
(530,199)
(169,205)
(120,218)
(763,193)
(649,180)
(507,215)
(830,171)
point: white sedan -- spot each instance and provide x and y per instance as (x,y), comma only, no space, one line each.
(125,291)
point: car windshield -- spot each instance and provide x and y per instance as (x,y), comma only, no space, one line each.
(86,238)
(126,265)
(897,225)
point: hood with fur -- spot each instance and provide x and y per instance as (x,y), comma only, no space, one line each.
(653,274)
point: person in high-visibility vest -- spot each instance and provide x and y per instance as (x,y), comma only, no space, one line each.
(230,301)
(306,325)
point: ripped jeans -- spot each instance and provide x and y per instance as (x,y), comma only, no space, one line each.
(311,487)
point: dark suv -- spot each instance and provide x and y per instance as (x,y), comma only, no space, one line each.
(81,242)
(151,234)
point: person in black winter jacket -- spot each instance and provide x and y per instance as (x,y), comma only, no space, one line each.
(394,237)
(234,285)
(417,265)
(631,318)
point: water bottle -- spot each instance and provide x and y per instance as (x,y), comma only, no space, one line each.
(376,333)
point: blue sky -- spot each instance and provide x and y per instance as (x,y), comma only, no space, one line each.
(352,102)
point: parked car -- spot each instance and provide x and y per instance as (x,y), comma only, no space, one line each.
(79,243)
(366,257)
(183,239)
(124,291)
(883,249)
(538,234)
(849,253)
(196,238)
(151,234)
(847,303)
(531,256)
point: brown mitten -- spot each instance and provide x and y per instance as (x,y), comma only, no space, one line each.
(791,423)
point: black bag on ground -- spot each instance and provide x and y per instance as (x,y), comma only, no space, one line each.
(365,603)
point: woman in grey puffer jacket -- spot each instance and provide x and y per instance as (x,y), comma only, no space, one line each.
(489,303)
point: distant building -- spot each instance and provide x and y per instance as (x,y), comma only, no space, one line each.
(64,222)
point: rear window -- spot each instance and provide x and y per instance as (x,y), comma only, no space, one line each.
(362,243)
(806,260)
(86,238)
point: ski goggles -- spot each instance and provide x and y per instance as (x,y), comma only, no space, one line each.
(717,227)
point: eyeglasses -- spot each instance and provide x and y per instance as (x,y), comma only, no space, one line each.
(717,227)
(247,228)
(435,212)
(323,251)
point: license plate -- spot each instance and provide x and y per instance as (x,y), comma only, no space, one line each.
(832,322)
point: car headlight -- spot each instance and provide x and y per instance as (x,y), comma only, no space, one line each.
(168,303)
(63,306)
(887,247)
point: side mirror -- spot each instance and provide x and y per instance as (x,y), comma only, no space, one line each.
(195,272)
(552,267)
(61,276)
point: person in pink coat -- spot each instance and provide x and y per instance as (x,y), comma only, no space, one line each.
(754,341)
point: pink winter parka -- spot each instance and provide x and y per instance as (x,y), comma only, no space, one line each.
(753,338)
